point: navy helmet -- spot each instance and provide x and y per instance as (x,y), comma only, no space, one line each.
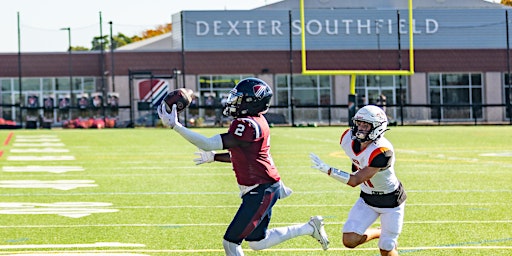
(249,97)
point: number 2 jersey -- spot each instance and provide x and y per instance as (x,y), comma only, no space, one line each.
(383,190)
(252,164)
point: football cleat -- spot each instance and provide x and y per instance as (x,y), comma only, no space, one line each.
(317,222)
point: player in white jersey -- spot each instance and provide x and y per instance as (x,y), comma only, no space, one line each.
(382,195)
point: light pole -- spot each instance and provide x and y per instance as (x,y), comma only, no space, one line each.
(112,56)
(70,66)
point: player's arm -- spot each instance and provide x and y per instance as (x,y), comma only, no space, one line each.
(228,141)
(211,156)
(222,157)
(362,175)
(379,162)
(200,141)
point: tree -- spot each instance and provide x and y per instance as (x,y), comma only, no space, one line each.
(159,30)
(97,42)
(79,48)
(121,39)
(506,2)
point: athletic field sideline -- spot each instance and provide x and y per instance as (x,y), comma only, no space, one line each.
(138,192)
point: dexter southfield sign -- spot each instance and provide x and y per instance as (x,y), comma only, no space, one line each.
(341,29)
(313,27)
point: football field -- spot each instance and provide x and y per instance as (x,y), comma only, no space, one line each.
(138,192)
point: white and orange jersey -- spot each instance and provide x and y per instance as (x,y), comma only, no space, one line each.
(383,182)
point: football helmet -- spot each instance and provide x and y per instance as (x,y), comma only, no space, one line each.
(373,115)
(249,97)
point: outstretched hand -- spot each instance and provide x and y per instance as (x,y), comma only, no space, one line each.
(168,119)
(318,164)
(204,157)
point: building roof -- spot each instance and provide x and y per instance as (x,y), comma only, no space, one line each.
(383,4)
(161,42)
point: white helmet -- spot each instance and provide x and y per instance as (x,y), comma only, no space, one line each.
(374,116)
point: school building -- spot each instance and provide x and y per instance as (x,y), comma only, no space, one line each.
(460,60)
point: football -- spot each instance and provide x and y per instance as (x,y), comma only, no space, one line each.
(181,97)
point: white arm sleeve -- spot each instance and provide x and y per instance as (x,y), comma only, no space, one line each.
(200,141)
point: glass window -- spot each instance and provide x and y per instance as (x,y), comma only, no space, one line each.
(31,84)
(311,90)
(89,84)
(6,85)
(434,80)
(282,82)
(221,82)
(305,82)
(476,79)
(16,84)
(455,79)
(47,84)
(458,94)
(382,91)
(281,97)
(282,90)
(6,99)
(307,90)
(62,84)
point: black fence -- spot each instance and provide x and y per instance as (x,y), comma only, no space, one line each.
(279,115)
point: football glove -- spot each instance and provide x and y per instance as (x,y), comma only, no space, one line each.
(204,157)
(318,164)
(168,119)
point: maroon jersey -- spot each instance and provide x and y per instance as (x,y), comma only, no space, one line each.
(253,164)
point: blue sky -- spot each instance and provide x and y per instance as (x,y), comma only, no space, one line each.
(41,20)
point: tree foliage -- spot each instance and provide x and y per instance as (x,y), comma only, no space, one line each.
(506,2)
(159,30)
(121,39)
(99,41)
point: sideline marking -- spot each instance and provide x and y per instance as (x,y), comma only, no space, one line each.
(432,248)
(66,209)
(504,154)
(40,158)
(44,246)
(55,184)
(8,139)
(79,254)
(40,150)
(45,144)
(37,140)
(36,136)
(38,168)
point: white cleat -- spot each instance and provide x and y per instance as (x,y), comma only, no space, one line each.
(317,222)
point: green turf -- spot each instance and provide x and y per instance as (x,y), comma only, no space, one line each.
(458,180)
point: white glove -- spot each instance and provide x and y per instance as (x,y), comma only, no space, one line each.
(319,164)
(204,157)
(168,119)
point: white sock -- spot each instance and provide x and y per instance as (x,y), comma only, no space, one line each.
(278,235)
(232,249)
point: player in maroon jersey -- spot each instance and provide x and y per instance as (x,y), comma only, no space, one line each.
(248,143)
